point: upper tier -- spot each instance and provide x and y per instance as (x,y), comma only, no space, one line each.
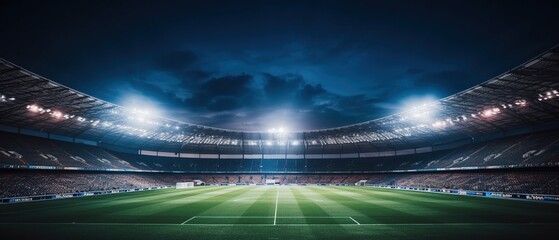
(532,150)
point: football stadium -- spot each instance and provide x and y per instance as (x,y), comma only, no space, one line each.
(72,164)
(480,163)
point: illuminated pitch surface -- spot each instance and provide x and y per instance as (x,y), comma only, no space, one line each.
(279,212)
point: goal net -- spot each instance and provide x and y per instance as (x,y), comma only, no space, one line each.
(361,183)
(185,185)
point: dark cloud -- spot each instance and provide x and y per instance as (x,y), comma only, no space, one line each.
(195,76)
(223,104)
(183,65)
(313,106)
(156,92)
(310,93)
(282,86)
(240,101)
(227,86)
(355,104)
(223,93)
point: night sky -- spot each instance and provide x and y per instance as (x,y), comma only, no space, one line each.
(254,65)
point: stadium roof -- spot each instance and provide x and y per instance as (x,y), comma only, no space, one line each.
(522,97)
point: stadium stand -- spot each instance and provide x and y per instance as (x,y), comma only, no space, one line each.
(25,183)
(533,150)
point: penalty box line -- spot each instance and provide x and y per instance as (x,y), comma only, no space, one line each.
(354,221)
(190,219)
(294,217)
(265,217)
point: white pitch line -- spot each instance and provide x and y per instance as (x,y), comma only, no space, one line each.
(276,212)
(355,221)
(188,220)
(295,217)
(297,224)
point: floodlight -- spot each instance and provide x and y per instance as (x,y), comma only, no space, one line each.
(520,102)
(420,110)
(3,98)
(439,124)
(487,113)
(33,108)
(56,114)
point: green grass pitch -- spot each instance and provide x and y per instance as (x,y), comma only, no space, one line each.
(279,212)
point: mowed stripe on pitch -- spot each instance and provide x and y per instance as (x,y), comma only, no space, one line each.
(105,210)
(457,209)
(244,204)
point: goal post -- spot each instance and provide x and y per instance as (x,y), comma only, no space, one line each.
(361,183)
(184,185)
